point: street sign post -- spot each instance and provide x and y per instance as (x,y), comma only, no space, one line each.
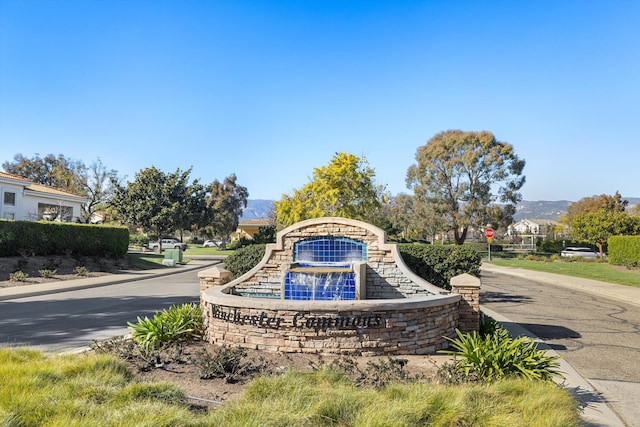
(488,233)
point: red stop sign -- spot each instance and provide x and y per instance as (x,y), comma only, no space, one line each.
(488,232)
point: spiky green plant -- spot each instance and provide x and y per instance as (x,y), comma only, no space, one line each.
(178,323)
(497,355)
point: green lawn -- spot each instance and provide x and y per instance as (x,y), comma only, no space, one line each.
(150,260)
(587,269)
(199,250)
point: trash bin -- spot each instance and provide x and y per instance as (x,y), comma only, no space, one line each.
(174,254)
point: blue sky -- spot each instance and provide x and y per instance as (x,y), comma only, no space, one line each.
(268,90)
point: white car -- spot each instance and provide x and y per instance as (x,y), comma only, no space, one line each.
(214,243)
(581,252)
(168,244)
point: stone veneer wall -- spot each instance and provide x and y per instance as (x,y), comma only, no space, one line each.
(381,327)
(406,315)
(387,276)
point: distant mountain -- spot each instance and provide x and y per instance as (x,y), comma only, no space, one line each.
(257,209)
(538,209)
(541,209)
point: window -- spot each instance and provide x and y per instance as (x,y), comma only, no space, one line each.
(9,198)
(9,215)
(55,212)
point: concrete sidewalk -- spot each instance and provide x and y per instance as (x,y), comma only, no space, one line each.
(595,411)
(24,291)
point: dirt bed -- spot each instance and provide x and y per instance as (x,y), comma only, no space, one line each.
(216,391)
(61,268)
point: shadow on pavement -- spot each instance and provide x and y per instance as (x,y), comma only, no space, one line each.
(500,297)
(551,332)
(64,322)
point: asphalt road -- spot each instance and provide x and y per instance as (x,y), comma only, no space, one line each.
(598,336)
(71,320)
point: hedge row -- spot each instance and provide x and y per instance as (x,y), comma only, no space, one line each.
(29,238)
(244,259)
(624,250)
(437,264)
(434,263)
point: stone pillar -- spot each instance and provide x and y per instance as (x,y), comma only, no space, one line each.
(213,276)
(468,287)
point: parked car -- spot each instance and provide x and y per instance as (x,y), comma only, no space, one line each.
(581,252)
(168,244)
(213,243)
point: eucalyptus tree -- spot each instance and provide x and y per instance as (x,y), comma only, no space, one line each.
(464,177)
(226,201)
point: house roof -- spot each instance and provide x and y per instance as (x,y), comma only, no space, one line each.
(39,188)
(537,221)
(254,223)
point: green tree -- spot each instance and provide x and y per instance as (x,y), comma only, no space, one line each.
(155,200)
(226,201)
(415,221)
(58,172)
(401,213)
(613,204)
(597,226)
(345,188)
(457,173)
(94,182)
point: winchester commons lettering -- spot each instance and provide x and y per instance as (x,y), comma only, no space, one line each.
(302,320)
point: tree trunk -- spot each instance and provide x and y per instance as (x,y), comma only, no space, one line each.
(459,236)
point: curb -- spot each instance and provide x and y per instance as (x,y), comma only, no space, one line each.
(15,292)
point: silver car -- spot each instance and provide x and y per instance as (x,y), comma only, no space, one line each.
(581,252)
(214,243)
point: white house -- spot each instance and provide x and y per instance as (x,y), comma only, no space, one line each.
(23,200)
(532,227)
(524,226)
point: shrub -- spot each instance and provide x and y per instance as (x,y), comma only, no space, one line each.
(47,273)
(18,276)
(81,271)
(265,235)
(244,259)
(139,240)
(438,264)
(624,250)
(497,356)
(228,363)
(55,238)
(182,322)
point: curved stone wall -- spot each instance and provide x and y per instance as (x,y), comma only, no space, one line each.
(403,314)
